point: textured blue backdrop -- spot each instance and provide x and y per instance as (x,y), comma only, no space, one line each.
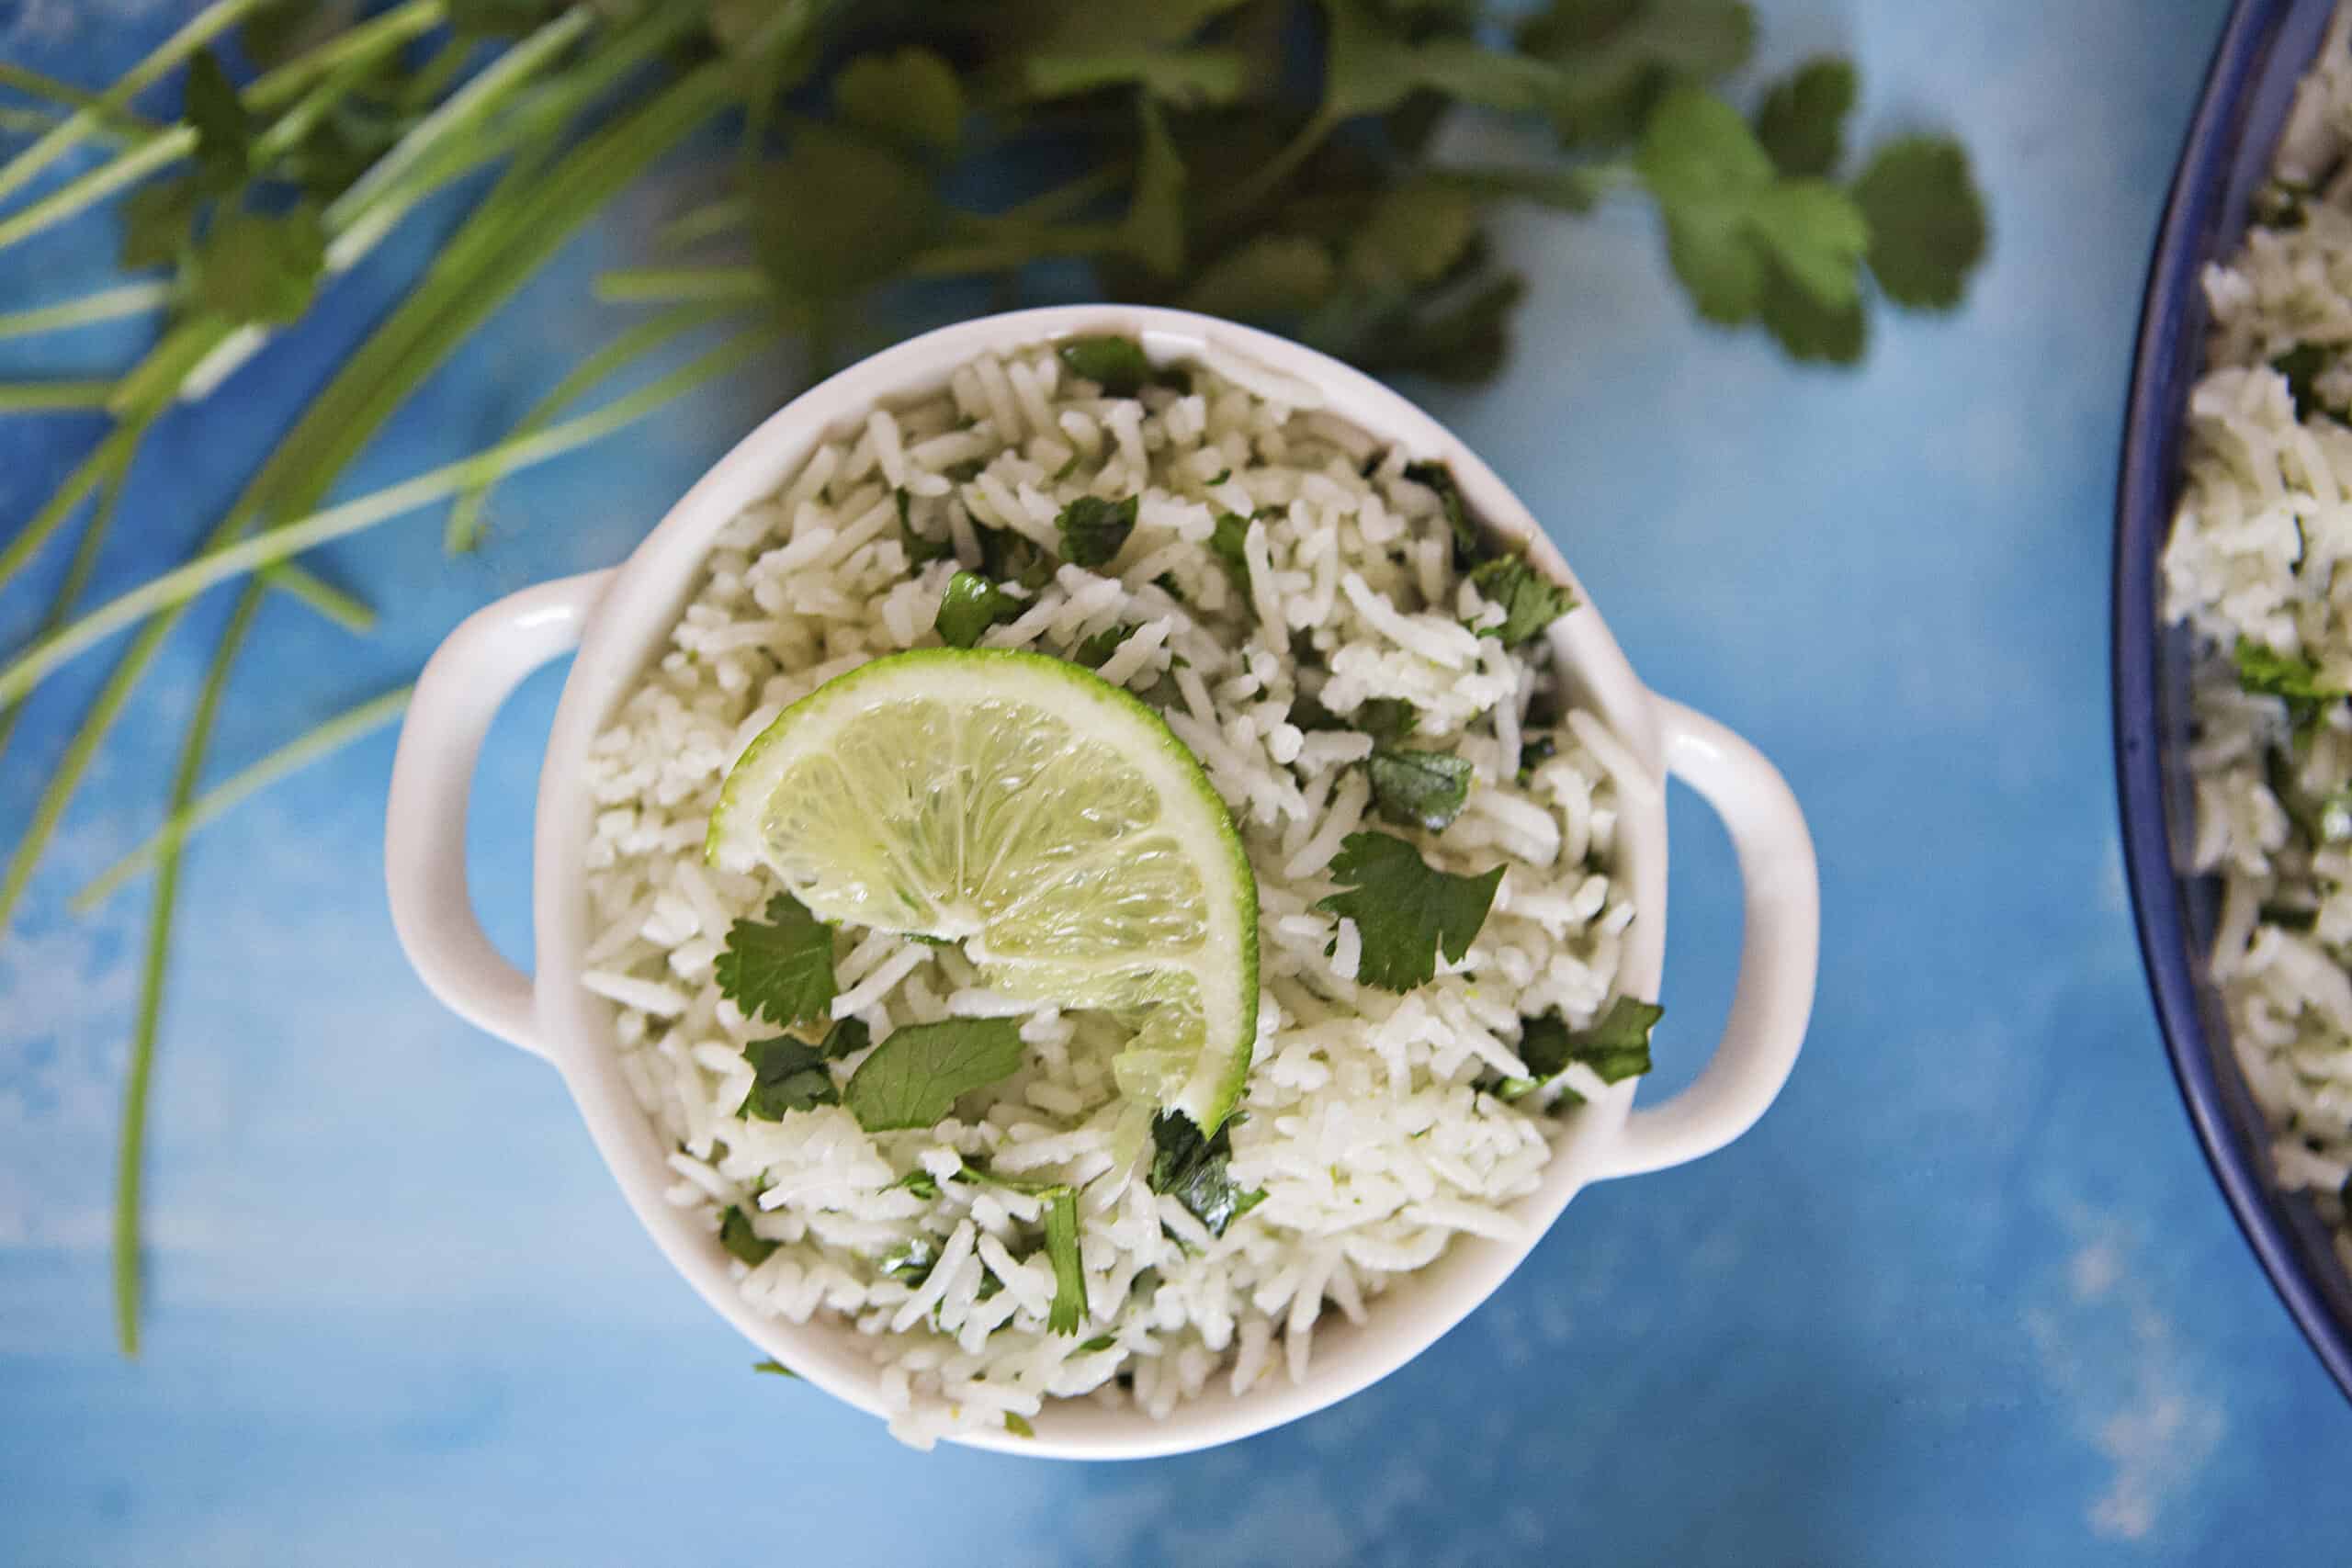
(1966,1295)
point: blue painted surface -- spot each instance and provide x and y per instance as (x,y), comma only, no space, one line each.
(1966,1295)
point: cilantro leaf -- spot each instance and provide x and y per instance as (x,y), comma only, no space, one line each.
(1093,530)
(225,137)
(911,96)
(1926,221)
(780,969)
(919,550)
(1529,600)
(837,214)
(1419,789)
(920,1182)
(2302,366)
(1192,1170)
(258,268)
(1469,544)
(1018,1424)
(1816,234)
(1371,68)
(1405,909)
(742,1242)
(1618,57)
(1616,1047)
(1386,720)
(788,1074)
(1097,650)
(775,1370)
(1068,1308)
(1117,365)
(1730,219)
(971,605)
(1228,543)
(2271,674)
(1803,122)
(914,1078)
(912,1263)
(157,222)
(1806,329)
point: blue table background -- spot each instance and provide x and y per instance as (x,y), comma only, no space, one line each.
(1967,1294)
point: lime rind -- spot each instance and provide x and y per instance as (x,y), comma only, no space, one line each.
(843,796)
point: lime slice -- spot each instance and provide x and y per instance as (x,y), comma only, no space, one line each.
(1042,816)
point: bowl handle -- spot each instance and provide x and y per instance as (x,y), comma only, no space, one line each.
(1780,949)
(424,826)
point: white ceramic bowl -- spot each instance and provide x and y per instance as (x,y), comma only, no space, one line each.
(617,620)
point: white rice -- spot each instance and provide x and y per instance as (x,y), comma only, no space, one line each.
(2258,548)
(1366,1124)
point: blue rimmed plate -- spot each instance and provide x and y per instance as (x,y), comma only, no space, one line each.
(2266,47)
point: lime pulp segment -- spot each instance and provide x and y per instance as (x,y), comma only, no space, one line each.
(1043,816)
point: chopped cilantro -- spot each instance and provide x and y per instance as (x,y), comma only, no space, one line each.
(1419,789)
(1405,909)
(914,1078)
(1533,752)
(1221,476)
(781,969)
(2289,918)
(2302,366)
(2271,674)
(1068,467)
(1468,544)
(912,1263)
(786,1075)
(971,605)
(1068,1308)
(1018,1424)
(775,1370)
(742,1242)
(1191,1169)
(1100,1342)
(1117,365)
(920,1182)
(1227,544)
(1529,600)
(1092,529)
(1097,650)
(1010,557)
(1616,1047)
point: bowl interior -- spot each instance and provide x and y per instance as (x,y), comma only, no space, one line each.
(634,622)
(2265,50)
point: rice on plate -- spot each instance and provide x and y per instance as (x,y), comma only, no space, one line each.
(2255,565)
(1365,679)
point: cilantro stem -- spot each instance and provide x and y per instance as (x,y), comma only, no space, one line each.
(34,83)
(77,126)
(347,610)
(77,571)
(315,744)
(109,454)
(462,110)
(130,1147)
(707,221)
(368,40)
(464,530)
(87,190)
(105,305)
(683,285)
(21,675)
(53,397)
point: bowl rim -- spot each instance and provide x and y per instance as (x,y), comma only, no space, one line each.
(2265,48)
(641,603)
